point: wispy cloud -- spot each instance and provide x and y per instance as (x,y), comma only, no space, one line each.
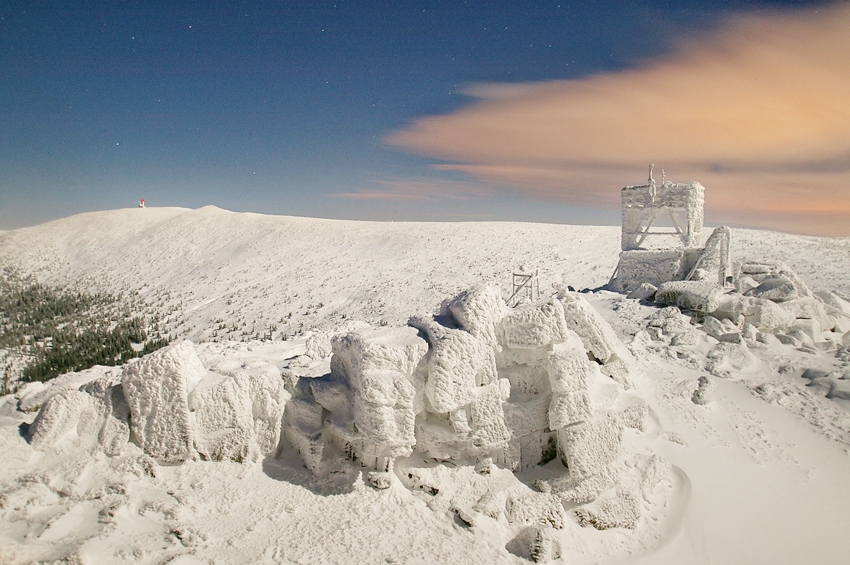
(758,111)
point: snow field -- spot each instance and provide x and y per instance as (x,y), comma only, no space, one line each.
(755,475)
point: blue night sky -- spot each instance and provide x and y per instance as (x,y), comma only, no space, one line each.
(403,110)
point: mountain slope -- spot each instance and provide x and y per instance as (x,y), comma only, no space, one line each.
(250,271)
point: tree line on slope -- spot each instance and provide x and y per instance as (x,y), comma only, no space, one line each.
(55,330)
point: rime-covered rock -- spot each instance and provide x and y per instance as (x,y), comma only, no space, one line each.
(619,508)
(568,367)
(527,416)
(655,470)
(653,266)
(489,431)
(115,414)
(541,542)
(535,508)
(809,308)
(569,408)
(534,327)
(592,446)
(761,313)
(834,303)
(371,379)
(644,291)
(237,415)
(156,388)
(457,363)
(727,359)
(223,419)
(478,311)
(706,391)
(397,349)
(698,296)
(619,369)
(635,413)
(570,489)
(595,332)
(303,430)
(71,411)
(336,397)
(390,426)
(761,271)
(777,288)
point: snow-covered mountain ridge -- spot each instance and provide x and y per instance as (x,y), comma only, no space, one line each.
(251,271)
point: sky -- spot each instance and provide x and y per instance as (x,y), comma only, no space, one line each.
(433,110)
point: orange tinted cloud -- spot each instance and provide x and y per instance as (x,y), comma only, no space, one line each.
(758,111)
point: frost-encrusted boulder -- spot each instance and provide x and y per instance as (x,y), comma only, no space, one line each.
(698,296)
(569,370)
(727,359)
(762,313)
(304,426)
(596,334)
(541,542)
(644,291)
(534,327)
(591,447)
(71,411)
(598,338)
(648,266)
(489,432)
(619,508)
(776,271)
(720,329)
(530,508)
(457,363)
(157,388)
(478,311)
(835,303)
(370,392)
(808,308)
(777,288)
(374,349)
(96,414)
(114,430)
(706,391)
(237,415)
(223,419)
(319,345)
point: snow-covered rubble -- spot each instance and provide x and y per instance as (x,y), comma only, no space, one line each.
(478,382)
(175,408)
(769,303)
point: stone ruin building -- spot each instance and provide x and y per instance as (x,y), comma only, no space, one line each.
(759,301)
(479,384)
(682,205)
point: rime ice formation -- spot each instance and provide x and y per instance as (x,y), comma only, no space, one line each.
(706,391)
(175,408)
(369,396)
(157,389)
(762,302)
(682,205)
(480,381)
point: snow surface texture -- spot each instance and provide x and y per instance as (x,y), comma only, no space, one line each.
(770,428)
